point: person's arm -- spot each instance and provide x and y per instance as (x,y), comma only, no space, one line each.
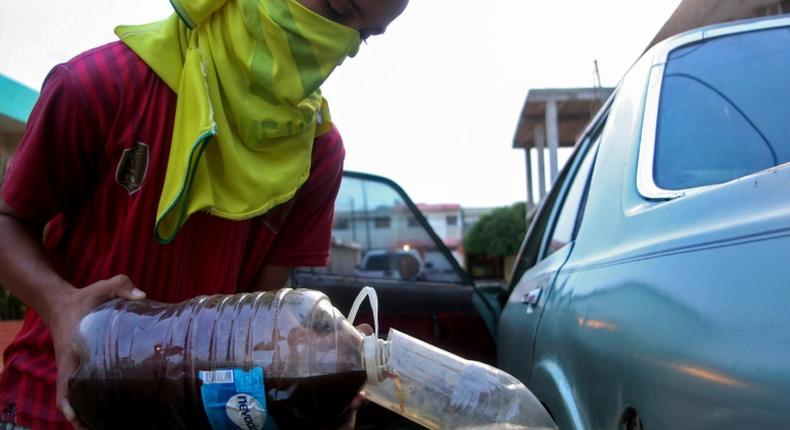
(26,272)
(271,277)
(24,267)
(52,171)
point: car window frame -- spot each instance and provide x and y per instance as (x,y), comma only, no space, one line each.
(591,142)
(463,277)
(532,248)
(645,177)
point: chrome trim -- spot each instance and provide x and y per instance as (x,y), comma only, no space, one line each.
(645,182)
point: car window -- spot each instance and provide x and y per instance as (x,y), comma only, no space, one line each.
(567,221)
(723,110)
(378,234)
(532,251)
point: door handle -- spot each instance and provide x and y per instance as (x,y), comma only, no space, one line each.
(531,298)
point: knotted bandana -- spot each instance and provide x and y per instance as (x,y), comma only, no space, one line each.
(247,74)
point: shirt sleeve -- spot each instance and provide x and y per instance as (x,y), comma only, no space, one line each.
(306,234)
(57,157)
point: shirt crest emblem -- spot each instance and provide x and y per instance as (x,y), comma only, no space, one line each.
(132,167)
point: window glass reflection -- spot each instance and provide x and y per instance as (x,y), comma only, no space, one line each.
(377,235)
(723,110)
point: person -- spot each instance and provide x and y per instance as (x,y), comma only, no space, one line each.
(195,156)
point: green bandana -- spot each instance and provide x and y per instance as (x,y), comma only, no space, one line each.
(247,74)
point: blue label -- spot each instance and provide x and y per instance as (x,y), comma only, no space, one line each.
(235,399)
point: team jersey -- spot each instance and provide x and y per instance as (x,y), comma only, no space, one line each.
(91,165)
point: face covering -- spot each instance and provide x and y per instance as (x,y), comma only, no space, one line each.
(247,74)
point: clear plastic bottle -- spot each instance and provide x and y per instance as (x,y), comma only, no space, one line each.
(288,357)
(443,391)
(217,362)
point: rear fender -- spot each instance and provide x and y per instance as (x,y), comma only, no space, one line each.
(550,384)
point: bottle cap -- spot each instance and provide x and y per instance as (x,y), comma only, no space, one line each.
(373,357)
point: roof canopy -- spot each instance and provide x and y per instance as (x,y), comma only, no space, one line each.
(575,108)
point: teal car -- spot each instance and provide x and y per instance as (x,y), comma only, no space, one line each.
(653,288)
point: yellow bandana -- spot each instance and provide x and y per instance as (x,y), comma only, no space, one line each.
(247,74)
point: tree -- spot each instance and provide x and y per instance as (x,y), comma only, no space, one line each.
(10,307)
(498,233)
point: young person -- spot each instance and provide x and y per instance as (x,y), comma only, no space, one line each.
(195,156)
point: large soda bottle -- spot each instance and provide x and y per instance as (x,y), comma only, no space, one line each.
(217,362)
(286,357)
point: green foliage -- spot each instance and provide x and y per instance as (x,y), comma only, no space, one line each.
(3,166)
(10,307)
(499,233)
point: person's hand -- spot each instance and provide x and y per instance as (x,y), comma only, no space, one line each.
(63,323)
(350,419)
(365,329)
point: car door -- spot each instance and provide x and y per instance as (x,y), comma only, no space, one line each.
(545,250)
(380,239)
(671,311)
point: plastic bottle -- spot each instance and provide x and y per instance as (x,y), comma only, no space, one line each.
(217,362)
(288,357)
(443,391)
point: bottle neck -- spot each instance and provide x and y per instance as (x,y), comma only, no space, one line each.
(375,357)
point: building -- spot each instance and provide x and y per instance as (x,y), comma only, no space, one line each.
(472,216)
(447,220)
(550,119)
(395,227)
(16,103)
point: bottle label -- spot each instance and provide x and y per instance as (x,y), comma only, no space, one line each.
(234,399)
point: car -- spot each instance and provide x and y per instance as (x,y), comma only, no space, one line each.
(402,263)
(651,290)
(381,239)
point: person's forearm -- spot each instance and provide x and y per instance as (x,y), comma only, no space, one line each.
(25,270)
(271,278)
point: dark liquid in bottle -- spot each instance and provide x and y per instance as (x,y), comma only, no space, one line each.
(313,402)
(140,360)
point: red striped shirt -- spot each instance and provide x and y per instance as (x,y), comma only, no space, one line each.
(69,172)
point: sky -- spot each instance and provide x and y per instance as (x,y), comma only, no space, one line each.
(433,103)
